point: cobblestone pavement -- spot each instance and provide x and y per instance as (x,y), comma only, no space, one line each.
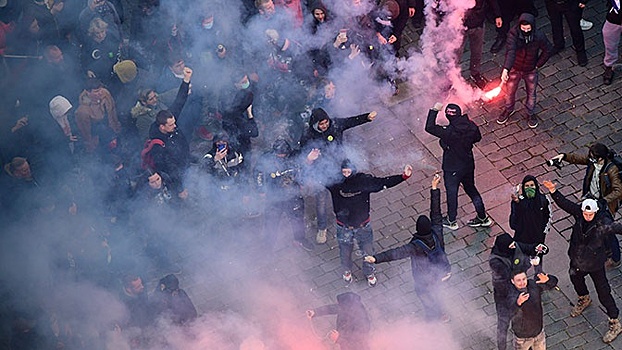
(574,108)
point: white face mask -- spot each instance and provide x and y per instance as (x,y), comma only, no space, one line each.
(208,25)
(245,85)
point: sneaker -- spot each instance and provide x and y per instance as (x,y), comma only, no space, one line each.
(614,330)
(304,244)
(477,222)
(372,280)
(612,264)
(533,121)
(582,58)
(505,115)
(585,25)
(479,80)
(446,277)
(556,50)
(582,303)
(347,276)
(452,225)
(498,44)
(608,75)
(321,236)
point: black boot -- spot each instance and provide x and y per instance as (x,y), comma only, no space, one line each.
(498,44)
(608,75)
(582,58)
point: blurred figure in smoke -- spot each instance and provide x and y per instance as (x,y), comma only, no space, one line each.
(278,179)
(172,302)
(96,117)
(45,12)
(530,215)
(457,140)
(173,157)
(353,322)
(474,22)
(326,134)
(506,256)
(509,10)
(350,197)
(134,297)
(392,19)
(527,50)
(99,9)
(428,260)
(225,163)
(100,52)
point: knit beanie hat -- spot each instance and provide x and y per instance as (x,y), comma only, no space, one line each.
(59,106)
(502,245)
(423,226)
(126,71)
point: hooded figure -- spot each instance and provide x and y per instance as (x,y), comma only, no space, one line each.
(173,302)
(530,214)
(353,323)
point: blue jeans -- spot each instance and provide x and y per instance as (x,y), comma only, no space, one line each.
(365,239)
(466,177)
(531,82)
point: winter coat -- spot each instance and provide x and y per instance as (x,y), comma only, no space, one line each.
(503,261)
(530,217)
(528,318)
(353,322)
(588,239)
(456,140)
(526,56)
(476,15)
(351,196)
(90,113)
(608,181)
(425,272)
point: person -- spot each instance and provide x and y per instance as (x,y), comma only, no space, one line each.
(99,9)
(326,134)
(350,197)
(353,322)
(135,299)
(174,155)
(509,10)
(612,28)
(527,50)
(526,305)
(530,214)
(572,10)
(587,255)
(457,141)
(474,22)
(428,259)
(278,180)
(601,182)
(100,52)
(173,302)
(506,256)
(96,117)
(238,120)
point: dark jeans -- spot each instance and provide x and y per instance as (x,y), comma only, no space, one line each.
(466,177)
(365,238)
(430,299)
(475,36)
(293,209)
(573,15)
(503,319)
(531,83)
(601,284)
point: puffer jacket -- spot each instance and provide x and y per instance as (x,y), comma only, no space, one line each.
(526,54)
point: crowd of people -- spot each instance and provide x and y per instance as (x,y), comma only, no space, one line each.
(122,118)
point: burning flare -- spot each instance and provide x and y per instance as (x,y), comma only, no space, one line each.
(489,95)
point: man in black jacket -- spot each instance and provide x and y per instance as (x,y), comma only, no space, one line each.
(457,141)
(587,255)
(474,22)
(526,304)
(428,260)
(527,49)
(351,205)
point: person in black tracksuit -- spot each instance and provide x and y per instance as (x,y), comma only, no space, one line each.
(525,303)
(587,255)
(350,198)
(457,141)
(428,272)
(505,257)
(530,214)
(474,20)
(353,322)
(573,11)
(174,156)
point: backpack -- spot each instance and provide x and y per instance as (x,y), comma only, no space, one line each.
(436,256)
(146,159)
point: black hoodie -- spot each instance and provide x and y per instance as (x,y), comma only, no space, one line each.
(530,217)
(525,54)
(456,139)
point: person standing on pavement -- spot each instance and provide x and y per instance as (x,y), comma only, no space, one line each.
(530,214)
(587,255)
(509,10)
(601,182)
(527,50)
(428,259)
(506,256)
(612,29)
(572,10)
(350,198)
(474,22)
(457,140)
(526,306)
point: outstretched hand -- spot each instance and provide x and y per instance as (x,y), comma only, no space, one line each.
(552,187)
(408,170)
(436,179)
(542,278)
(369,259)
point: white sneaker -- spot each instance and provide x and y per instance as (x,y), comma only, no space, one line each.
(372,280)
(585,25)
(321,236)
(347,276)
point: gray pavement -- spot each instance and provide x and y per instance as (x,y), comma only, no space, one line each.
(574,108)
